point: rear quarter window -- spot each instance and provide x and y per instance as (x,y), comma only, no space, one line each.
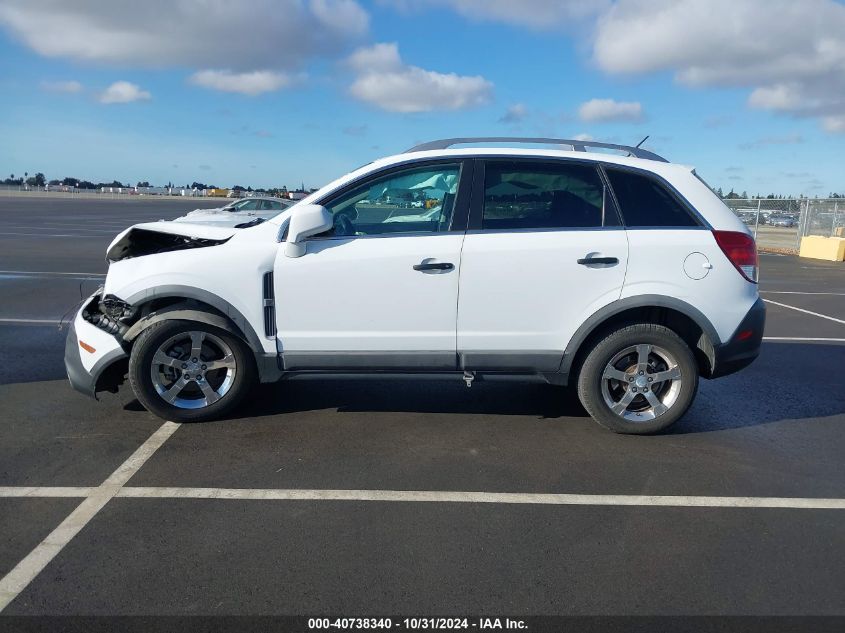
(644,202)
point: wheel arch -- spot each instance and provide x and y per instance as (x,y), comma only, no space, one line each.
(192,304)
(684,319)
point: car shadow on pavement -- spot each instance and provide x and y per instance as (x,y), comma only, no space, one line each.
(788,382)
(408,395)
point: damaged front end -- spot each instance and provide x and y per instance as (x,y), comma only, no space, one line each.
(110,314)
(138,241)
(100,336)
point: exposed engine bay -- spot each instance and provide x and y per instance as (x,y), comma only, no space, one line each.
(139,241)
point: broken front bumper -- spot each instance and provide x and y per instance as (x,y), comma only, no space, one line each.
(92,355)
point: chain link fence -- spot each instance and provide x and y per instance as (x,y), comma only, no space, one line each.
(780,223)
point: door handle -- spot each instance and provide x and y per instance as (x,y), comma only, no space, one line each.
(586,261)
(434,266)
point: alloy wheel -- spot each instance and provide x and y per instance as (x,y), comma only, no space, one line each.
(193,370)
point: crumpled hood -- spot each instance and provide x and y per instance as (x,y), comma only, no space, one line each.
(163,236)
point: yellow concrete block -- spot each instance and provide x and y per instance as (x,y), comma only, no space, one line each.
(816,247)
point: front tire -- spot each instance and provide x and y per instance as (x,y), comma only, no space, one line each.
(186,371)
(639,379)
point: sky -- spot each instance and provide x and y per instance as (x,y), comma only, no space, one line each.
(288,92)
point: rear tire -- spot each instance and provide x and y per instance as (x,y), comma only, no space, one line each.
(186,371)
(639,379)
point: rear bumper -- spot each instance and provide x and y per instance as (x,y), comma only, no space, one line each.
(740,352)
(86,370)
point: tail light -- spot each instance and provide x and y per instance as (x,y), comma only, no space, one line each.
(741,250)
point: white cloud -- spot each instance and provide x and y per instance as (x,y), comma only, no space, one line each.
(791,54)
(535,14)
(777,97)
(242,35)
(383,80)
(377,58)
(514,114)
(788,139)
(69,87)
(834,123)
(123,92)
(248,83)
(597,110)
(355,130)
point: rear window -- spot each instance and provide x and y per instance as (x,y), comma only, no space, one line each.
(645,202)
(541,195)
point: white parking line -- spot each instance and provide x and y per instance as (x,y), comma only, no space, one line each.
(803,338)
(796,292)
(444,496)
(25,571)
(48,273)
(438,496)
(5,233)
(32,321)
(55,227)
(823,316)
(44,491)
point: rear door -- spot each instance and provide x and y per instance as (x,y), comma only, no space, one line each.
(545,249)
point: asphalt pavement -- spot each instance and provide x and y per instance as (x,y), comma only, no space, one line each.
(209,521)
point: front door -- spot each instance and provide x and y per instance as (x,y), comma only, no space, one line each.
(380,290)
(545,250)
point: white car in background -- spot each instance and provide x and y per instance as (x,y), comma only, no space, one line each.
(238,211)
(624,276)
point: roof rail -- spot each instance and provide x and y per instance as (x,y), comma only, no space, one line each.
(578,146)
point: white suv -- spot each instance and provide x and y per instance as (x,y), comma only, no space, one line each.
(622,274)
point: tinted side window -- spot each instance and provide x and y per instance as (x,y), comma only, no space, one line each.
(537,195)
(645,202)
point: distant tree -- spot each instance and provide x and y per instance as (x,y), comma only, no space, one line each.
(142,183)
(198,185)
(744,194)
(36,181)
(238,188)
(55,182)
(113,183)
(720,193)
(69,182)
